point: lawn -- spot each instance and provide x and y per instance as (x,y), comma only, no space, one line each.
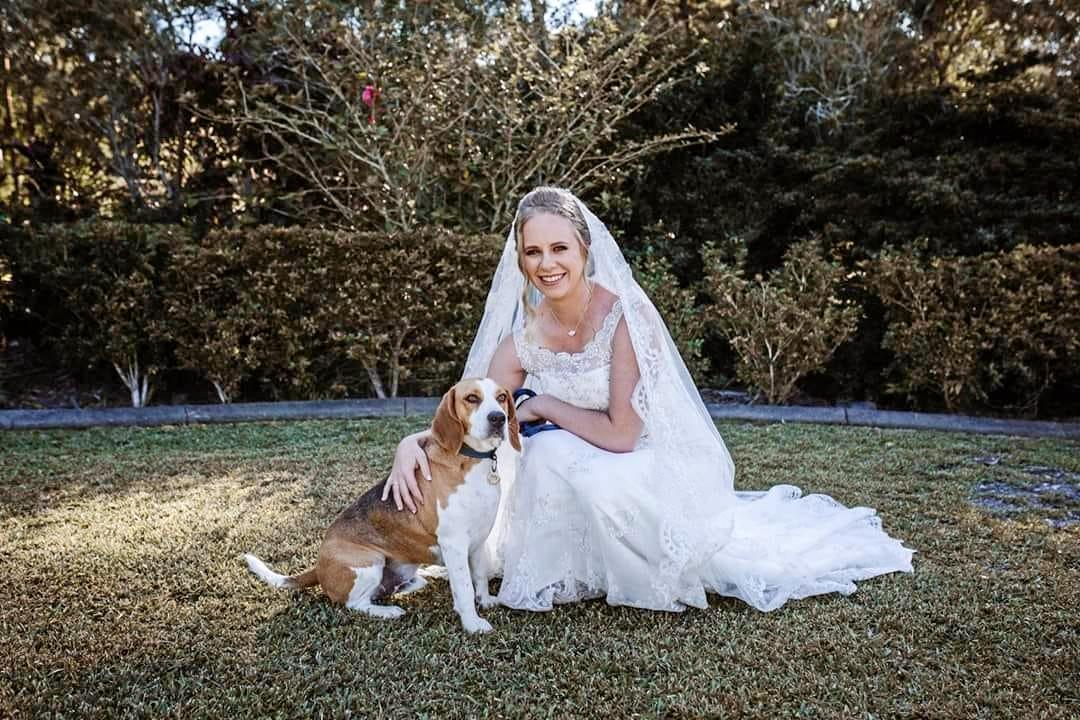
(125,593)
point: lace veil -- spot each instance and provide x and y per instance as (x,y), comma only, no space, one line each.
(693,470)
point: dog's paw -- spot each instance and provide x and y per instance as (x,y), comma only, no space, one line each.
(476,625)
(487,602)
(411,585)
(383,612)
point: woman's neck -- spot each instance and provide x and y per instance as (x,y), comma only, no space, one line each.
(570,307)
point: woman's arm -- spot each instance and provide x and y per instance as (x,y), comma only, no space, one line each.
(616,430)
(505,369)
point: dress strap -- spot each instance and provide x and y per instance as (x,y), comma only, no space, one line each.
(606,332)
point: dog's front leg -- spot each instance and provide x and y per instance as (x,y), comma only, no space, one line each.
(456,559)
(478,561)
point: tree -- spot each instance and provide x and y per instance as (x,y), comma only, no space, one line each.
(393,121)
(973,44)
(100,115)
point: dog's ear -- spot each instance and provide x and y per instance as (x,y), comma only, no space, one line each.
(511,421)
(448,430)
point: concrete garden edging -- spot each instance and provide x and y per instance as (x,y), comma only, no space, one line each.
(868,417)
(400,407)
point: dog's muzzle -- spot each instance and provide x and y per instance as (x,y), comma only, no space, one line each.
(496,423)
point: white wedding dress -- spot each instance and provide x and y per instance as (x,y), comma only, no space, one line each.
(660,526)
(580,522)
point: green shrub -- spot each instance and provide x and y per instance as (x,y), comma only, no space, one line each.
(782,327)
(965,328)
(305,310)
(401,304)
(96,286)
(210,316)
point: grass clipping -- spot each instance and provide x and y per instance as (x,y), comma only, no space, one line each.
(125,593)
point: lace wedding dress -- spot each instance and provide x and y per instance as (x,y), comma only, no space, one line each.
(660,526)
(581,522)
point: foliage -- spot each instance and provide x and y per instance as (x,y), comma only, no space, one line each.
(404,304)
(975,171)
(782,327)
(969,326)
(7,293)
(99,287)
(390,122)
(834,58)
(678,307)
(969,158)
(296,313)
(989,46)
(7,298)
(292,307)
(867,125)
(99,114)
(215,321)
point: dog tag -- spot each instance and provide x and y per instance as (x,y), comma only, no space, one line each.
(493,473)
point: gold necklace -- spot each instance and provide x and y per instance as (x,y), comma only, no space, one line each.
(581,319)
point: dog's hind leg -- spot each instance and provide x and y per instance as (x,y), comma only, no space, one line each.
(399,579)
(365,589)
(351,575)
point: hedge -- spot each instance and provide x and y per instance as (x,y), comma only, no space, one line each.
(281,313)
(298,313)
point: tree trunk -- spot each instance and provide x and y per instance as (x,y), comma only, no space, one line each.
(376,382)
(222,395)
(136,382)
(395,365)
(537,24)
(9,126)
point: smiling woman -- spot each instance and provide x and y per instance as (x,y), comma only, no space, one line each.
(552,254)
(632,497)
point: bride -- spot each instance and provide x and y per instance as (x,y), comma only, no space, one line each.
(632,498)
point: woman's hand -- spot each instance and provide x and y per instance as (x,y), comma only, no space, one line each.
(530,410)
(410,455)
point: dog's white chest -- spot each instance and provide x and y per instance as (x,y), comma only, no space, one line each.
(470,510)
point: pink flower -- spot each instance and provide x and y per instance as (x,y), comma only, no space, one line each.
(370,93)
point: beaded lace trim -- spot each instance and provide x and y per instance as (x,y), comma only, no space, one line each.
(596,353)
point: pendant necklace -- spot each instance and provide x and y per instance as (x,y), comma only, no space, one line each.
(581,319)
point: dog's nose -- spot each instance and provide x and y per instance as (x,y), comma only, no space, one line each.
(496,418)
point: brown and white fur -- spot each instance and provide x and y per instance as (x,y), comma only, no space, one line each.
(372,550)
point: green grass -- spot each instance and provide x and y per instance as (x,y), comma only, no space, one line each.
(124,592)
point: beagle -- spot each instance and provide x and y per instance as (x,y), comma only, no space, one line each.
(372,550)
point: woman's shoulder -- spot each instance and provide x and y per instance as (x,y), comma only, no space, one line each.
(604,302)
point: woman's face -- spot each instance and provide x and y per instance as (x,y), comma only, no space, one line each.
(552,255)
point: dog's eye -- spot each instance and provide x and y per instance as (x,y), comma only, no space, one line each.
(472,398)
(501,398)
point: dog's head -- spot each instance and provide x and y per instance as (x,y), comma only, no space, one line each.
(478,413)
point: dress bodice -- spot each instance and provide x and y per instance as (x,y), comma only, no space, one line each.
(580,378)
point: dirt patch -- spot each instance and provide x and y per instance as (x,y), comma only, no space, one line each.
(1051,492)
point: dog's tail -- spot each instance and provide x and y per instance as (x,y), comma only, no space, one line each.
(308,578)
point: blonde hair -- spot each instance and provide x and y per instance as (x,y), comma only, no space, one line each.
(546,200)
